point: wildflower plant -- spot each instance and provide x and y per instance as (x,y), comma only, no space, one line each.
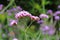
(19,24)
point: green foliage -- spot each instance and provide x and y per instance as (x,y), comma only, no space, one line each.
(3,18)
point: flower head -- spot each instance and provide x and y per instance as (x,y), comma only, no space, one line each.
(57,13)
(51,31)
(13,9)
(18,15)
(40,21)
(19,8)
(9,12)
(13,22)
(36,18)
(47,30)
(1,6)
(57,17)
(44,16)
(49,12)
(22,14)
(58,6)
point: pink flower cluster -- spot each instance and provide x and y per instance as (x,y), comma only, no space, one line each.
(13,22)
(21,15)
(24,14)
(35,18)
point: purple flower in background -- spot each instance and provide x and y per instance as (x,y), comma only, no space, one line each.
(43,16)
(9,12)
(57,13)
(49,12)
(47,30)
(19,8)
(13,9)
(58,6)
(51,31)
(1,6)
(57,17)
(40,21)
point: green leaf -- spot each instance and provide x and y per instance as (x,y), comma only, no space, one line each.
(2,18)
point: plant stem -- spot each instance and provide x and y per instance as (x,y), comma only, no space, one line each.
(43,5)
(1,32)
(26,37)
(11,2)
(30,23)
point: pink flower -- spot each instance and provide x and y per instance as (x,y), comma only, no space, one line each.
(22,14)
(18,15)
(13,22)
(34,18)
(44,16)
(25,13)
